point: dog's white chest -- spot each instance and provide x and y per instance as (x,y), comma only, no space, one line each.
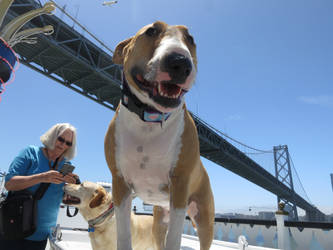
(147,152)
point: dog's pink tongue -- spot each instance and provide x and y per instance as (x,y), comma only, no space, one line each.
(139,77)
(170,89)
(65,197)
(155,91)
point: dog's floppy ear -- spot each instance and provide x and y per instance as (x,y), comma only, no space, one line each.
(98,199)
(118,55)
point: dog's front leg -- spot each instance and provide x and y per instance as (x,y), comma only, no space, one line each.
(123,201)
(178,206)
(175,229)
(123,217)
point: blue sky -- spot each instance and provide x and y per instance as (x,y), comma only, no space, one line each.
(264,78)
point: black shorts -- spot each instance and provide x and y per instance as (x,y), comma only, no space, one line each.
(22,244)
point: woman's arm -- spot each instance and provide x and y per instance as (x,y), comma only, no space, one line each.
(19,182)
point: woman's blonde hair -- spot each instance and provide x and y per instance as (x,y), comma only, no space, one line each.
(50,137)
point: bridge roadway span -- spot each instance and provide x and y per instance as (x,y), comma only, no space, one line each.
(79,64)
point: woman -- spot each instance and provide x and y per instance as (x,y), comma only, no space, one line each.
(35,165)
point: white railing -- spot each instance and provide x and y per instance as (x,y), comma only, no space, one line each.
(280,234)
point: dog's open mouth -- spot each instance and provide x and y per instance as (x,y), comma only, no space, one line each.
(70,200)
(165,93)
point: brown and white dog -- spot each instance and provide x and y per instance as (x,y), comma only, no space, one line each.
(96,207)
(152,145)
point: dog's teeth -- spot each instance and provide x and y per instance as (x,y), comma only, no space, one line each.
(179,92)
(160,91)
(165,94)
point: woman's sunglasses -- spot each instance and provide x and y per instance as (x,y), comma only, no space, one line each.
(62,140)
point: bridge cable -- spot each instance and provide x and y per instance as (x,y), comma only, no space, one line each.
(293,166)
(259,151)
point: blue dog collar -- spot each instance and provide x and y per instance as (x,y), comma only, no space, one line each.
(150,116)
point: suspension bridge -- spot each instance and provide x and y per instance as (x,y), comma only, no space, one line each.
(83,63)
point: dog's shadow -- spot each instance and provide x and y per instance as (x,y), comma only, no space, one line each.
(187,248)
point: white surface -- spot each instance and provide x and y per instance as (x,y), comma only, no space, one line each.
(78,240)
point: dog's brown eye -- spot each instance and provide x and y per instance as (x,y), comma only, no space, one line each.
(151,31)
(190,39)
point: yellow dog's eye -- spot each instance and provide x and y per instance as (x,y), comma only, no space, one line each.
(151,32)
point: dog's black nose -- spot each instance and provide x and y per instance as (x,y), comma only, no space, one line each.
(178,66)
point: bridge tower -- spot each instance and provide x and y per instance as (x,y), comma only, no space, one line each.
(283,174)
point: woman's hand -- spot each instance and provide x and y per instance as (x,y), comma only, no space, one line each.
(71,178)
(52,176)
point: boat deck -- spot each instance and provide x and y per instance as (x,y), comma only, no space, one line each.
(79,240)
(74,236)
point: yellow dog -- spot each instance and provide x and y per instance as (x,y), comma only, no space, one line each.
(96,207)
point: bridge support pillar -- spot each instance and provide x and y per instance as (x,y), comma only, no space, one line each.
(283,174)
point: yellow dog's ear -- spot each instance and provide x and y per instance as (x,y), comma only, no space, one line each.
(118,55)
(98,199)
